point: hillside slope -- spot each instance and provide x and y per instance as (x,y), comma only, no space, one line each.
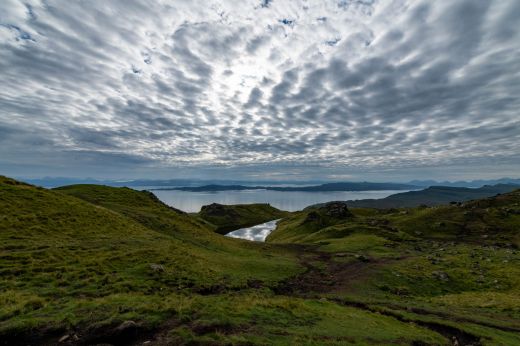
(62,258)
(458,263)
(494,217)
(109,271)
(142,206)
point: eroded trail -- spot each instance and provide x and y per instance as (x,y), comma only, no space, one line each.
(328,273)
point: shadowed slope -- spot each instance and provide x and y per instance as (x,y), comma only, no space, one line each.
(142,206)
(58,252)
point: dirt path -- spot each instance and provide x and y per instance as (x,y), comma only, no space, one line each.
(327,273)
(324,273)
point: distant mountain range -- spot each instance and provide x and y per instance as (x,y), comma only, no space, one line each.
(59,181)
(472,183)
(432,196)
(225,185)
(364,186)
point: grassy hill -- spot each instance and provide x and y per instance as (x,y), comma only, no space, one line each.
(495,217)
(91,264)
(66,262)
(457,263)
(432,196)
(227,218)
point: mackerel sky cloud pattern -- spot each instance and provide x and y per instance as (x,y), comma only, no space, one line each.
(343,89)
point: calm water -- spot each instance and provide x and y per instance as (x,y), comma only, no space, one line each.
(256,233)
(290,201)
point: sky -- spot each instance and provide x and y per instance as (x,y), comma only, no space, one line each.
(264,89)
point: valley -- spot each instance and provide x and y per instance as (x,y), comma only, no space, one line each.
(91,264)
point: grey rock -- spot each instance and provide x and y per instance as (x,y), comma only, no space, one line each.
(64,338)
(440,275)
(158,268)
(126,326)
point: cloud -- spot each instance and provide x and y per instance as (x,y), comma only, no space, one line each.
(324,87)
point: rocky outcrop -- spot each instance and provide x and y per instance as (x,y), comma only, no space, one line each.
(337,210)
(321,215)
(215,209)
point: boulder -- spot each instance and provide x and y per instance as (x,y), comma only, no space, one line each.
(158,268)
(441,276)
(126,326)
(336,209)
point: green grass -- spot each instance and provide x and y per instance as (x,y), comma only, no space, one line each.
(496,218)
(56,249)
(291,321)
(89,257)
(141,206)
(360,243)
(490,220)
(459,261)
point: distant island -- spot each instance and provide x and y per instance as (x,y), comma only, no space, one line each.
(50,182)
(432,196)
(330,187)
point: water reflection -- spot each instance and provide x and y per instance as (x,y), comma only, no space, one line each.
(290,201)
(256,233)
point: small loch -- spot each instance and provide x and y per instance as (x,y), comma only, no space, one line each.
(254,233)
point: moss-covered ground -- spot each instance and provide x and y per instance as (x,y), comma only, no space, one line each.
(454,265)
(91,264)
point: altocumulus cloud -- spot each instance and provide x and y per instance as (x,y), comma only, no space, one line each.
(265,87)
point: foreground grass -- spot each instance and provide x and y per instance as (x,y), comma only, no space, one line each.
(265,319)
(84,260)
(56,251)
(455,265)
